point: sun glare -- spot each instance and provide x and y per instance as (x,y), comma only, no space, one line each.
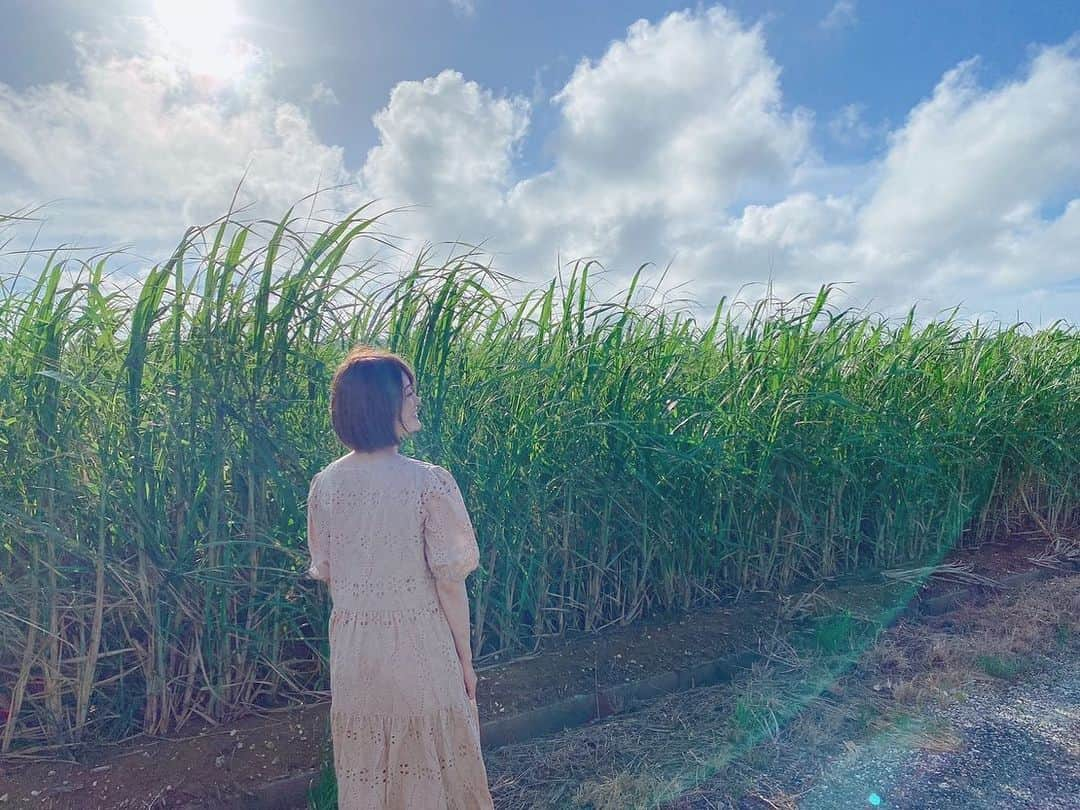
(201,35)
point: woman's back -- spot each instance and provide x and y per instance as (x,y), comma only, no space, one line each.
(381,529)
(369,513)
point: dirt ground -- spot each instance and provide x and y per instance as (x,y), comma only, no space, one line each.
(204,763)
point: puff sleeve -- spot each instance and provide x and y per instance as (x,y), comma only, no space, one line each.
(449,539)
(319,558)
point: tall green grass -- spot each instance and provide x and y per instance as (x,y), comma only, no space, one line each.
(617,459)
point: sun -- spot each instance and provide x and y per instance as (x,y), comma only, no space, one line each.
(201,36)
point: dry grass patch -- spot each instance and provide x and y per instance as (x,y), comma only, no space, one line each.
(998,639)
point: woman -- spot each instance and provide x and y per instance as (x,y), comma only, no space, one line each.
(392,538)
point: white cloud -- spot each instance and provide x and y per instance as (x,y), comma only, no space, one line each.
(321,93)
(446,144)
(953,213)
(657,138)
(464,7)
(849,126)
(680,113)
(801,220)
(964,179)
(841,15)
(675,143)
(138,150)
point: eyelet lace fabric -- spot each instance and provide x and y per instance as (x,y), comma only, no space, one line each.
(381,531)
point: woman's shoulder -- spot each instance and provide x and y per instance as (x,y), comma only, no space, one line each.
(343,464)
(434,477)
(429,473)
(330,467)
(425,478)
(331,471)
(424,466)
(423,471)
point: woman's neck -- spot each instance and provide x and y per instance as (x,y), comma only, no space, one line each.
(382,452)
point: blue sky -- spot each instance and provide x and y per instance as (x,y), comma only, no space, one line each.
(898,146)
(884,56)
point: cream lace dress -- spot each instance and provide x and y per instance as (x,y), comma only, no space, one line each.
(405,733)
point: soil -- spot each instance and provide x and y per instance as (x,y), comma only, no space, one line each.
(208,763)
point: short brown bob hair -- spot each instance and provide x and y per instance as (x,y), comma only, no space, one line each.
(366,398)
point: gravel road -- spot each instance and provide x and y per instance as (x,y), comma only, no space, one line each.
(1013,747)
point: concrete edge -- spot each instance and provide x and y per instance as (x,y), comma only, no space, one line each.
(945,602)
(287,793)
